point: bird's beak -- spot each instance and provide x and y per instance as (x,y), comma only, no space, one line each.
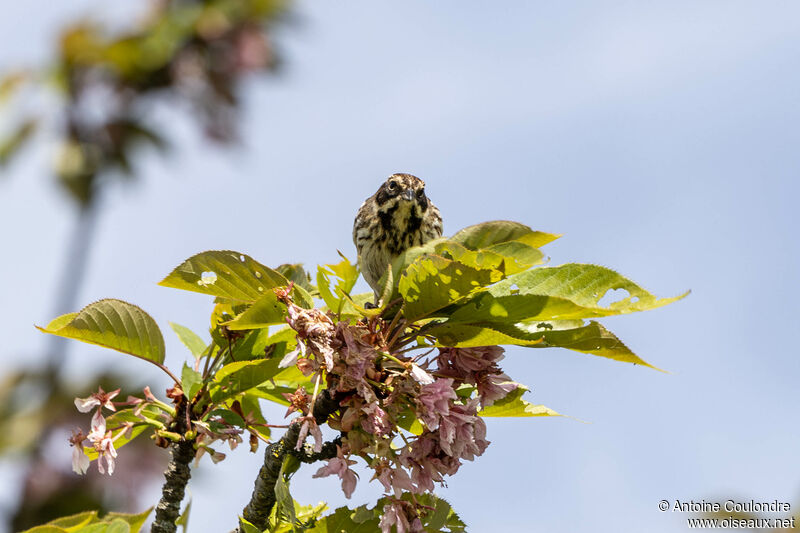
(408,194)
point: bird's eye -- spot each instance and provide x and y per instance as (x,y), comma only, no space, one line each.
(392,185)
(421,192)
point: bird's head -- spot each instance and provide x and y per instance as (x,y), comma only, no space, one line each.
(402,191)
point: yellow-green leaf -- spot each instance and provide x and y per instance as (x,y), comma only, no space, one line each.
(571,291)
(113,324)
(226,274)
(190,339)
(345,275)
(514,406)
(235,378)
(432,283)
(490,233)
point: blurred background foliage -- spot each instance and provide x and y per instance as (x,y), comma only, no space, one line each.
(107,82)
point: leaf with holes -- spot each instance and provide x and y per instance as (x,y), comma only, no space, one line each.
(113,324)
(571,291)
(589,338)
(226,274)
(432,283)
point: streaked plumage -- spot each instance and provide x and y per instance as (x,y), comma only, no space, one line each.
(397,217)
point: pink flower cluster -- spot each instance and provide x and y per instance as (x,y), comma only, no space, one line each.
(382,391)
(100,439)
(477,366)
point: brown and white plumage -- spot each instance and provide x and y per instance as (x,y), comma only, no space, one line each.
(397,217)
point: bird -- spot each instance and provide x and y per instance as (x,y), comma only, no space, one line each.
(397,217)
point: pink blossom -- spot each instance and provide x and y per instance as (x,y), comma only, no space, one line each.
(467,360)
(377,421)
(397,514)
(216,456)
(309,425)
(100,399)
(462,433)
(315,328)
(98,426)
(80,461)
(148,395)
(435,399)
(393,479)
(493,387)
(420,375)
(357,355)
(298,401)
(103,443)
(394,515)
(340,465)
(289,359)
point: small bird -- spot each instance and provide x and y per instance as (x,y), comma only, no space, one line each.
(397,217)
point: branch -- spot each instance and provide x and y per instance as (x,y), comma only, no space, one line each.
(263,498)
(176,478)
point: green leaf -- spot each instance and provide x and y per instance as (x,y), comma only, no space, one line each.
(47,529)
(438,515)
(432,283)
(494,232)
(585,285)
(135,521)
(226,274)
(479,259)
(230,417)
(10,144)
(191,381)
(297,274)
(359,520)
(472,335)
(590,338)
(247,527)
(113,324)
(442,518)
(514,406)
(266,311)
(190,339)
(358,302)
(254,345)
(571,291)
(345,275)
(408,421)
(118,526)
(283,499)
(76,520)
(183,519)
(235,378)
(518,256)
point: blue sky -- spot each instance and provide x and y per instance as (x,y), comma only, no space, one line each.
(659,138)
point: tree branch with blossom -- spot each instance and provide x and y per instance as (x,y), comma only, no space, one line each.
(408,386)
